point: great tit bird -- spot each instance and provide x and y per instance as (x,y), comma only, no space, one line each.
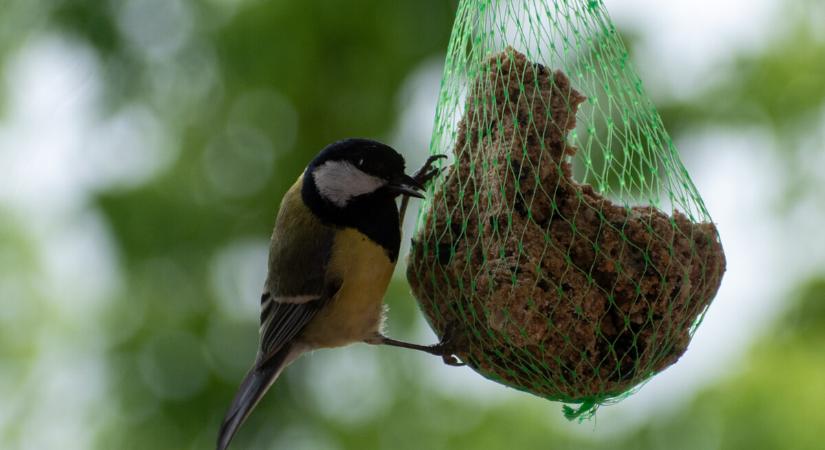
(332,253)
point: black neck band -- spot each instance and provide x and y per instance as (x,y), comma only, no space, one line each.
(375,215)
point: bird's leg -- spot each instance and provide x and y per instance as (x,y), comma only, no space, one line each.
(444,349)
(437,349)
(422,176)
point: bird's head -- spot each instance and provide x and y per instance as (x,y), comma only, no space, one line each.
(359,170)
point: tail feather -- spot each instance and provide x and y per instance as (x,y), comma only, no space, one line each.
(252,389)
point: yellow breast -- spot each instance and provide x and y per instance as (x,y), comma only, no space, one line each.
(356,312)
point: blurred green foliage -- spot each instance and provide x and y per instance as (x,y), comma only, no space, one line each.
(283,79)
(778,87)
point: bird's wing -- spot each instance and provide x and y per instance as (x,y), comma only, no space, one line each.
(282,318)
(297,287)
(298,284)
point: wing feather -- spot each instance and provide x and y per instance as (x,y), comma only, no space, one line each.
(298,283)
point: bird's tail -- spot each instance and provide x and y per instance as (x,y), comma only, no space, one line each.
(253,387)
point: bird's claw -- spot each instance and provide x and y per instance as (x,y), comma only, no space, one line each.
(427,172)
(452,360)
(448,347)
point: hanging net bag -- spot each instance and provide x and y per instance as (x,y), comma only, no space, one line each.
(564,250)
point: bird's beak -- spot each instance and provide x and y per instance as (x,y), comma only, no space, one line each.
(406,185)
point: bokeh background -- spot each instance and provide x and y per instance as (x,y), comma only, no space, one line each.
(145,144)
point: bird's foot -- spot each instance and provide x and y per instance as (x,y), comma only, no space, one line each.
(448,347)
(445,349)
(427,172)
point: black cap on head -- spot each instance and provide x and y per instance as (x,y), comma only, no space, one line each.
(370,156)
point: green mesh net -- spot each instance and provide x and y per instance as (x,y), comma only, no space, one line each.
(564,249)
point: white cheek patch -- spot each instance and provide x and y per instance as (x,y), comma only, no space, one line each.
(340,181)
